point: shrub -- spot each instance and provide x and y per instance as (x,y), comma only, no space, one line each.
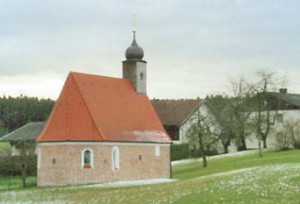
(289,136)
(180,151)
(283,140)
(296,144)
(11,165)
(184,151)
(5,149)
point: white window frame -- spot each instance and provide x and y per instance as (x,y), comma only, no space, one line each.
(115,158)
(82,158)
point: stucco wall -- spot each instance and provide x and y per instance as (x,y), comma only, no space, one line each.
(67,168)
(136,72)
(189,121)
(192,119)
(252,141)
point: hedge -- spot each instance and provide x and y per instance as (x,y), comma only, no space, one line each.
(183,151)
(180,151)
(11,165)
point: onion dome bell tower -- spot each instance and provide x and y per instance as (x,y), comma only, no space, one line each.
(134,52)
(135,68)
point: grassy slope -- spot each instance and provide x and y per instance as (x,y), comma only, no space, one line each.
(15,182)
(275,179)
(231,163)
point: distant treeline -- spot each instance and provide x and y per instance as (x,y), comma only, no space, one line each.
(15,112)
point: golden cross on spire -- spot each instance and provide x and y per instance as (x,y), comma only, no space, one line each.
(133,22)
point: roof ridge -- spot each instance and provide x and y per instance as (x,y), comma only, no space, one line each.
(15,130)
(192,112)
(180,99)
(49,119)
(87,107)
(47,123)
(94,75)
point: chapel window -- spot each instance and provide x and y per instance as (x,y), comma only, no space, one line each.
(115,158)
(87,158)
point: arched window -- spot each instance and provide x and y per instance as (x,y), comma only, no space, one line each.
(115,158)
(157,150)
(87,159)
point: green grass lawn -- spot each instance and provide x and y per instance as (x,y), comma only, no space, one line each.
(275,178)
(15,182)
(4,144)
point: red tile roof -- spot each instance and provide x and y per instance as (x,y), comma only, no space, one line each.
(97,108)
(174,112)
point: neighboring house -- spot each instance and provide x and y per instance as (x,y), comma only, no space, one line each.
(285,107)
(104,129)
(175,116)
(25,134)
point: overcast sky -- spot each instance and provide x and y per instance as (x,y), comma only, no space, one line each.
(192,47)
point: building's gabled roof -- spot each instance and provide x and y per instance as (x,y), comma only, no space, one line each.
(28,132)
(292,100)
(97,108)
(174,112)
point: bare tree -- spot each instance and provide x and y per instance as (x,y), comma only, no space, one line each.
(263,120)
(294,128)
(289,135)
(220,107)
(241,126)
(26,149)
(252,105)
(264,105)
(202,132)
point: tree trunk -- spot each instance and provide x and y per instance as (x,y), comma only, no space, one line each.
(23,157)
(23,173)
(225,149)
(204,160)
(264,143)
(226,144)
(202,149)
(259,125)
(259,148)
(242,146)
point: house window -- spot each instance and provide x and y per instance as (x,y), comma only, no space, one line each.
(142,76)
(157,150)
(173,131)
(87,159)
(115,157)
